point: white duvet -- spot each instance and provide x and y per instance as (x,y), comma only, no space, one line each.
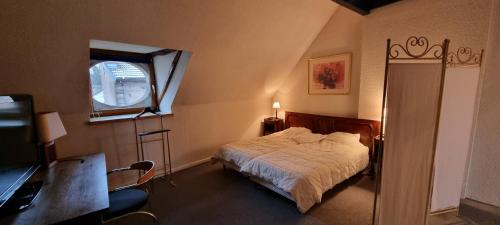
(241,152)
(304,170)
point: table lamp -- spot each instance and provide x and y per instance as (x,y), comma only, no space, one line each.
(50,128)
(276,106)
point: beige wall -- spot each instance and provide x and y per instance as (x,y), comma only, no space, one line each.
(227,90)
(244,51)
(483,179)
(341,34)
(464,22)
(366,38)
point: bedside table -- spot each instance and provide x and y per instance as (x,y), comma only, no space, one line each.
(378,141)
(379,146)
(272,125)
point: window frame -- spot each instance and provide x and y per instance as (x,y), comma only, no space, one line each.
(129,57)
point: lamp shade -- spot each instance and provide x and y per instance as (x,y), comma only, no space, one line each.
(276,105)
(50,127)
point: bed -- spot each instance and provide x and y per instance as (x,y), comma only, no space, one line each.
(306,159)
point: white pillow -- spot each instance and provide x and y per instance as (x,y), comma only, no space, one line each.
(308,138)
(293,131)
(343,137)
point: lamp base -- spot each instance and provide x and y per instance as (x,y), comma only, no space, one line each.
(49,155)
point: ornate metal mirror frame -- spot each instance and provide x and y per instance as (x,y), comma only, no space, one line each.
(465,57)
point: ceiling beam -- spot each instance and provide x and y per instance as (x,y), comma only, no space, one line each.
(350,5)
(363,7)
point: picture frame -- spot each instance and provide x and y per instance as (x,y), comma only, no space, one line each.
(330,75)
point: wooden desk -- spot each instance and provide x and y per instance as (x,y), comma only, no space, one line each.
(72,193)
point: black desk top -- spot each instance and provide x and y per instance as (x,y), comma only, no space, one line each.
(70,189)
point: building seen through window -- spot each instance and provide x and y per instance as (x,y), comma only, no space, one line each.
(117,84)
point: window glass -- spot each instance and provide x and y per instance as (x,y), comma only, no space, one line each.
(118,85)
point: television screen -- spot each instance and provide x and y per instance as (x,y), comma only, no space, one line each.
(19,154)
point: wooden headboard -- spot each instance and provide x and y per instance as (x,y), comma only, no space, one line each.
(368,129)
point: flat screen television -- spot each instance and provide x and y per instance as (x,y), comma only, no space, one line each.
(19,150)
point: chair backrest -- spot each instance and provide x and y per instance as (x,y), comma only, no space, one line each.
(148,167)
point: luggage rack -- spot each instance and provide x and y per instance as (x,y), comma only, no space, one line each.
(162,131)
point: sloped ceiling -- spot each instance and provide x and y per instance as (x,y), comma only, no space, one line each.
(242,49)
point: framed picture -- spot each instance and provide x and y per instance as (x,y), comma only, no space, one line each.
(330,75)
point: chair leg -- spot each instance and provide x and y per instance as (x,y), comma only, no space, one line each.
(151,186)
(156,219)
(120,219)
(149,206)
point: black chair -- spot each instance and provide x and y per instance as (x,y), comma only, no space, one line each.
(125,202)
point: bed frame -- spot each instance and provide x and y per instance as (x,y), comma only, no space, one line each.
(270,186)
(367,129)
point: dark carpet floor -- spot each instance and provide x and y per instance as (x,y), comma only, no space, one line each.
(208,195)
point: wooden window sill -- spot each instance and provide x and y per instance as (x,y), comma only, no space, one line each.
(124,117)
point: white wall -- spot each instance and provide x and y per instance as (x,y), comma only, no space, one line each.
(483,180)
(342,34)
(464,22)
(237,46)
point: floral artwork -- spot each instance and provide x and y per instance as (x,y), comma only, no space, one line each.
(330,75)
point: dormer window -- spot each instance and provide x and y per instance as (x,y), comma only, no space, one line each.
(121,82)
(125,78)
